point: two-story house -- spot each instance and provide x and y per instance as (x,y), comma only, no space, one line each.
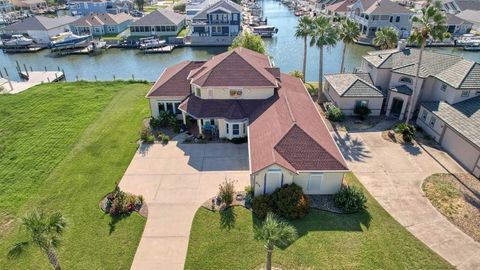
(87,7)
(5,6)
(446,99)
(217,24)
(372,15)
(240,93)
(101,24)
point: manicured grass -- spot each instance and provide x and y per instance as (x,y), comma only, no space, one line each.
(63,147)
(183,32)
(370,239)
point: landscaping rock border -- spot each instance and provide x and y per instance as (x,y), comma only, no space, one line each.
(213,205)
(325,203)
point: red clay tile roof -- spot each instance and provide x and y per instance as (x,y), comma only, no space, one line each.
(173,82)
(291,133)
(238,67)
(220,108)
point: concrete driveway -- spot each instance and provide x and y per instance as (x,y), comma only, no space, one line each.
(175,180)
(393,174)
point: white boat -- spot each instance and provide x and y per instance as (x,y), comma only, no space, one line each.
(472,47)
(265,30)
(18,40)
(68,39)
(468,39)
(152,43)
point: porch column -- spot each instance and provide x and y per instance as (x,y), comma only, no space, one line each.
(184,117)
(404,108)
(199,124)
(389,105)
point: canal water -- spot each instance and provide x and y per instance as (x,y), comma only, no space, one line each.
(286,51)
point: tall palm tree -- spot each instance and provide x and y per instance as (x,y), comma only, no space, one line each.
(45,231)
(324,35)
(430,25)
(304,30)
(274,233)
(386,38)
(349,33)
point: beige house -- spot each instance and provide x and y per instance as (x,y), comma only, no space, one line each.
(241,94)
(349,90)
(160,23)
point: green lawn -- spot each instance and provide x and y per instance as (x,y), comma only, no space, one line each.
(64,146)
(367,240)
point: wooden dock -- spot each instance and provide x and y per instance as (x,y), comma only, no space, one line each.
(23,49)
(32,78)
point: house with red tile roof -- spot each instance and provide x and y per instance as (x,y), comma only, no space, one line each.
(240,93)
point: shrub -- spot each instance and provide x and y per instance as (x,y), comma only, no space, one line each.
(164,138)
(150,139)
(239,140)
(362,111)
(261,205)
(227,191)
(180,7)
(290,202)
(144,133)
(350,198)
(297,74)
(334,114)
(248,196)
(119,199)
(155,122)
(407,131)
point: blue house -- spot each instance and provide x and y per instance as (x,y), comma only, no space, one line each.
(87,7)
(217,24)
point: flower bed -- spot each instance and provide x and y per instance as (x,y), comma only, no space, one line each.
(120,203)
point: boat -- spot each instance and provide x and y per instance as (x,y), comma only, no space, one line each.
(298,13)
(17,41)
(467,39)
(152,43)
(68,39)
(475,46)
(265,30)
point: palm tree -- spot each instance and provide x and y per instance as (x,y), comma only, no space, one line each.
(304,30)
(324,35)
(431,25)
(349,33)
(45,231)
(386,38)
(274,233)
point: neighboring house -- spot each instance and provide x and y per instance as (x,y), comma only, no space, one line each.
(30,4)
(5,6)
(372,15)
(217,24)
(160,23)
(458,26)
(87,7)
(472,16)
(195,6)
(40,28)
(101,24)
(348,91)
(456,127)
(456,6)
(339,8)
(240,93)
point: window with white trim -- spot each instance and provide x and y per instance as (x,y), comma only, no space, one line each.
(227,128)
(477,93)
(315,182)
(424,115)
(465,93)
(405,80)
(235,93)
(235,129)
(432,121)
(444,87)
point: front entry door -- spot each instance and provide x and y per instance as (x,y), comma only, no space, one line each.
(397,105)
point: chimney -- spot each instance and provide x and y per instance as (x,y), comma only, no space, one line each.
(402,44)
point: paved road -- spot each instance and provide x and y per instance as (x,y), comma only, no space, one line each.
(175,180)
(393,174)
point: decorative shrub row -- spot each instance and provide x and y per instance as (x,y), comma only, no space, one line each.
(350,199)
(164,120)
(287,201)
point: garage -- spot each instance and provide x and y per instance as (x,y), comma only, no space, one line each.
(462,150)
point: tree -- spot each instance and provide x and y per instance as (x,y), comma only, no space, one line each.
(304,30)
(297,74)
(386,38)
(274,233)
(45,231)
(249,41)
(430,25)
(349,33)
(324,35)
(140,4)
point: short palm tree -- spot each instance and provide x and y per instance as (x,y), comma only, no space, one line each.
(386,38)
(430,25)
(274,233)
(304,30)
(45,231)
(349,33)
(324,35)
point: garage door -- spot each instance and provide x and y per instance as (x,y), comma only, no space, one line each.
(460,149)
(273,179)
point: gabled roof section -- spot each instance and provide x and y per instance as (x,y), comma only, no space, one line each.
(173,82)
(39,23)
(380,7)
(102,19)
(226,5)
(288,131)
(353,85)
(160,17)
(238,67)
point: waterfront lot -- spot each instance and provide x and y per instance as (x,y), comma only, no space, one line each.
(370,239)
(63,147)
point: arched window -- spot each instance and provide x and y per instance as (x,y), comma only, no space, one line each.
(357,11)
(405,80)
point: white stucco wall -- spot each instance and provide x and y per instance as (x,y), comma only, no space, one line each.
(330,184)
(347,104)
(461,149)
(424,121)
(380,77)
(247,93)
